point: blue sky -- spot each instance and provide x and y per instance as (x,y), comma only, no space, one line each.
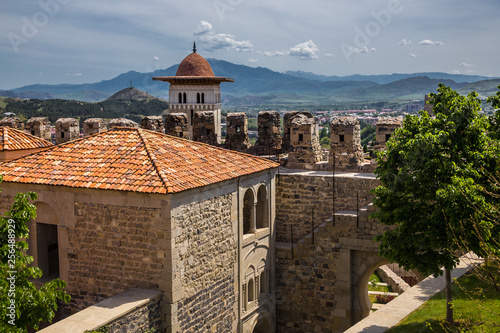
(77,41)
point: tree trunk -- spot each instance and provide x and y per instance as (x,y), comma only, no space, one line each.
(449,299)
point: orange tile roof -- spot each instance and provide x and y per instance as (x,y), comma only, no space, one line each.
(14,139)
(132,159)
(194,65)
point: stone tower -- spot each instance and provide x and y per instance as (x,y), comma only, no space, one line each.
(40,127)
(385,129)
(176,124)
(93,126)
(346,143)
(237,132)
(195,88)
(67,129)
(269,133)
(304,142)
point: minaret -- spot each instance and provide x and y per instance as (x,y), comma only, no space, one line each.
(195,88)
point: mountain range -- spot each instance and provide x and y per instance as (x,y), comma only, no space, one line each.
(262,86)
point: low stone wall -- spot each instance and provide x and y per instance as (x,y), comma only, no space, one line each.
(135,310)
(397,284)
(298,193)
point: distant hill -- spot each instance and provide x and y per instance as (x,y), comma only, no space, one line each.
(128,103)
(255,86)
(384,79)
(130,94)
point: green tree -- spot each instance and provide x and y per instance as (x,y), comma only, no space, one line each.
(428,166)
(22,305)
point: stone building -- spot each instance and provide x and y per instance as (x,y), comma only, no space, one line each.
(346,143)
(93,126)
(385,128)
(152,123)
(204,127)
(304,142)
(67,129)
(12,123)
(176,124)
(132,208)
(237,132)
(269,133)
(15,143)
(195,88)
(39,127)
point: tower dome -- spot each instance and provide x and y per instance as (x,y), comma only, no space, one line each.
(195,65)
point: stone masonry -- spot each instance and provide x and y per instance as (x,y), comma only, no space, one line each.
(176,124)
(207,254)
(12,123)
(237,132)
(287,122)
(298,194)
(67,129)
(112,249)
(269,133)
(152,123)
(346,143)
(93,126)
(304,142)
(385,128)
(122,122)
(204,127)
(39,127)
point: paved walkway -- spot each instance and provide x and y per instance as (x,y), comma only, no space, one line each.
(395,311)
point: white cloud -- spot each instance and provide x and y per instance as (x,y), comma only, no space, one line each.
(413,55)
(331,55)
(305,51)
(73,74)
(253,61)
(405,42)
(365,50)
(430,42)
(156,58)
(466,65)
(213,41)
(455,72)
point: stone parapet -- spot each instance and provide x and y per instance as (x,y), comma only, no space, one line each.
(122,122)
(93,126)
(39,127)
(346,146)
(152,123)
(12,122)
(204,127)
(304,142)
(67,129)
(176,124)
(237,132)
(269,133)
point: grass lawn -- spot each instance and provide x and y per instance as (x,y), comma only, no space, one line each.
(476,309)
(374,286)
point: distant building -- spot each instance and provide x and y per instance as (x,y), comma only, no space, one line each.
(195,88)
(414,106)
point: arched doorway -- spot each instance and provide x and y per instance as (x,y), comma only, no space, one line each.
(262,326)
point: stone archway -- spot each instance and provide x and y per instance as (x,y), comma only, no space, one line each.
(262,326)
(364,264)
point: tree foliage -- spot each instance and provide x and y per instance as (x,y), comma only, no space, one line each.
(22,305)
(433,176)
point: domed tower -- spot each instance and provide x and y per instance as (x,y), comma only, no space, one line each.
(195,88)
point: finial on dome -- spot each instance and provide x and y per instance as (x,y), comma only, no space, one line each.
(194,47)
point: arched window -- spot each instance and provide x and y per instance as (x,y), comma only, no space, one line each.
(248,212)
(198,100)
(180,98)
(203,98)
(184,98)
(263,287)
(262,211)
(251,290)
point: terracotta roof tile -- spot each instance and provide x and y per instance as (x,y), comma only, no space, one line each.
(194,65)
(14,139)
(132,159)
